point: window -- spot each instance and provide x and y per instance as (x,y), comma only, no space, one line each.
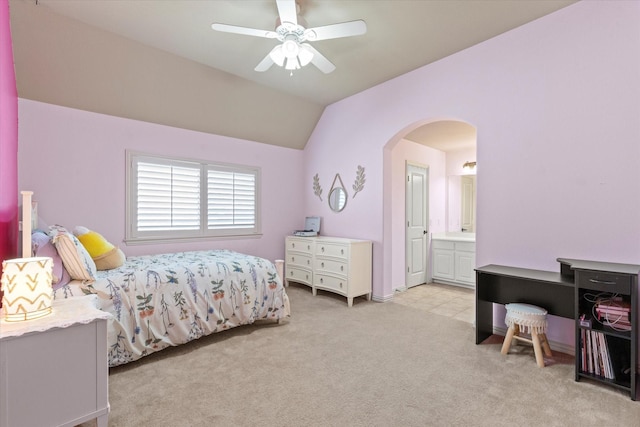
(183,199)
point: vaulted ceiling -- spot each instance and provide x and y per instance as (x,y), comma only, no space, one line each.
(160,61)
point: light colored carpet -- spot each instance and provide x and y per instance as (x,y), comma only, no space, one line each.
(375,364)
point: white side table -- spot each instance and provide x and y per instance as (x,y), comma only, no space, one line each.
(54,370)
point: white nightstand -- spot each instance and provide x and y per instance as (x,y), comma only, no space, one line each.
(53,370)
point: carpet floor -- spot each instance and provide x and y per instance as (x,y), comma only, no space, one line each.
(374,364)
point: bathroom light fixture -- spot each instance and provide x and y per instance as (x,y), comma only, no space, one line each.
(469,166)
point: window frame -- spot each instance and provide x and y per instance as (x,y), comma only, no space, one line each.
(133,235)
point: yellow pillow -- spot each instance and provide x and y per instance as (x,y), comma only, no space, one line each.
(104,254)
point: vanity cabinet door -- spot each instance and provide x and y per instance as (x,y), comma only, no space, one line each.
(443,264)
(443,260)
(464,265)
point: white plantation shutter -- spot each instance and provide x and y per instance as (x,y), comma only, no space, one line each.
(231,200)
(181,199)
(168,197)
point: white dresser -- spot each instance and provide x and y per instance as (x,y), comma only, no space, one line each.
(332,264)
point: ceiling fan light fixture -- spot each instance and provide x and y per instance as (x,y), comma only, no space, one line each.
(291,30)
(305,56)
(290,48)
(277,56)
(292,64)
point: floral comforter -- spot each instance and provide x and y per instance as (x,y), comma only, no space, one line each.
(169,299)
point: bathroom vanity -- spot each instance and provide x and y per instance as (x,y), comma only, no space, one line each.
(454,258)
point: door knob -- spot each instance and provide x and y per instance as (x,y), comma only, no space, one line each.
(424,232)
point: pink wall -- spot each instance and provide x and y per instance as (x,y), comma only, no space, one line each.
(74,161)
(8,143)
(556,105)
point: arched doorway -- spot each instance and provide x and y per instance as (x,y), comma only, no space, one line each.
(440,145)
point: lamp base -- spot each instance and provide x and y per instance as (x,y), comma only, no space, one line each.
(19,317)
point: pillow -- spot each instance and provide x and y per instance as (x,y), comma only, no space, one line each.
(75,257)
(104,254)
(41,245)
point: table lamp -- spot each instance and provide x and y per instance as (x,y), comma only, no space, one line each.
(26,283)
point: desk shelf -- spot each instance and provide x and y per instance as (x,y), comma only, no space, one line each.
(606,345)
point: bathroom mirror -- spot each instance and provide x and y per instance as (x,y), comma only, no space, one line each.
(461,203)
(337,195)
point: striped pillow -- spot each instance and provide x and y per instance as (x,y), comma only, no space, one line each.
(75,257)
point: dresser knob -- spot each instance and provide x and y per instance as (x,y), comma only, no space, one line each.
(342,268)
(322,264)
(321,281)
(340,285)
(293,259)
(322,249)
(293,245)
(342,251)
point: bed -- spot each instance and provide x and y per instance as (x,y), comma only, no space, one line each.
(156,301)
(169,299)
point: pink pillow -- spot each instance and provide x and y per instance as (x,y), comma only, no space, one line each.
(41,245)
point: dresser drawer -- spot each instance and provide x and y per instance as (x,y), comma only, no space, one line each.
(600,281)
(299,259)
(330,282)
(299,275)
(337,267)
(300,245)
(332,250)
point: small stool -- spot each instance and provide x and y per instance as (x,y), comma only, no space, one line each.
(529,319)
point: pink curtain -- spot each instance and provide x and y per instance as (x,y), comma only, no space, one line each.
(8,142)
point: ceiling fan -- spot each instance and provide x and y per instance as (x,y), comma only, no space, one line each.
(294,53)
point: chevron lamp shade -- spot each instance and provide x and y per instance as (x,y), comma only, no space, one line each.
(26,283)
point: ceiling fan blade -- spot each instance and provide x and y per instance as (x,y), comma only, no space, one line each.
(244,30)
(334,31)
(287,10)
(319,60)
(265,64)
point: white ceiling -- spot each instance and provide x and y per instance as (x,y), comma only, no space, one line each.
(402,35)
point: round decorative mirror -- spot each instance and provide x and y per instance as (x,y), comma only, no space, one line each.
(337,199)
(337,195)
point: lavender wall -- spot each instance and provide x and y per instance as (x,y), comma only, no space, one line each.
(556,105)
(74,161)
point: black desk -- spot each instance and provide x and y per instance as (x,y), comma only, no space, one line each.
(500,284)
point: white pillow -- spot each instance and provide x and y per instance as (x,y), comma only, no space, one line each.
(75,257)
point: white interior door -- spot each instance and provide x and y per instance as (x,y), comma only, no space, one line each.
(417,192)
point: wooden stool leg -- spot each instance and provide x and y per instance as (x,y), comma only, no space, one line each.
(537,349)
(506,345)
(545,345)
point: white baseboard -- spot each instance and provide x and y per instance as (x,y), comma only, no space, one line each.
(385,298)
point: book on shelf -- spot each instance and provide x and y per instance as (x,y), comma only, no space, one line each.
(613,305)
(595,355)
(614,312)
